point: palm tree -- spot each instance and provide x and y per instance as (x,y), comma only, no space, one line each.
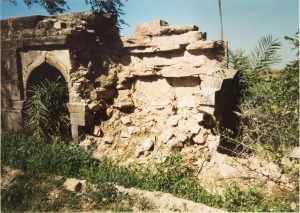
(221,21)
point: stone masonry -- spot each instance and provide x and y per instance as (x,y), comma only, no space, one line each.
(71,43)
(164,86)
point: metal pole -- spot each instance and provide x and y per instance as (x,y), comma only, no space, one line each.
(221,21)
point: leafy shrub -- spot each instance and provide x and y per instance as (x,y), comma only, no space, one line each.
(23,152)
(236,200)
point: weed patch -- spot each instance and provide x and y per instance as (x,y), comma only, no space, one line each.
(70,160)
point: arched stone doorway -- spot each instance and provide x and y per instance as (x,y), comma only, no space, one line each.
(51,83)
(42,73)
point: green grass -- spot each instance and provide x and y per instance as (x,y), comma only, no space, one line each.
(69,160)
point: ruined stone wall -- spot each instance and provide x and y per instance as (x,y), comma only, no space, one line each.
(144,96)
(170,79)
(71,43)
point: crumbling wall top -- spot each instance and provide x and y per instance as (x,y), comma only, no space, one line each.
(64,24)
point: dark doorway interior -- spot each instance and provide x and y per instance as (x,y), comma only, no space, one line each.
(45,113)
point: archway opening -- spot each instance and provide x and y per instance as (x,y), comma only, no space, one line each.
(42,73)
(46,116)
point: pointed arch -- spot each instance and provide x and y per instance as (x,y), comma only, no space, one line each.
(51,60)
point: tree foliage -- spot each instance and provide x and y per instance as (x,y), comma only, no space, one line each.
(252,67)
(113,7)
(265,54)
(52,6)
(269,100)
(294,41)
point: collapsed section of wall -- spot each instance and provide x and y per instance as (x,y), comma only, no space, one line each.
(169,81)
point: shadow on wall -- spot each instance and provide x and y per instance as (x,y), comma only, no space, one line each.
(226,104)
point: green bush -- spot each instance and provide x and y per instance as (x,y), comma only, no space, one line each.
(236,200)
(23,152)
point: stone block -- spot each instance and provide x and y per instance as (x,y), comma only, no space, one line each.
(12,105)
(46,41)
(96,131)
(205,97)
(9,52)
(181,136)
(28,33)
(184,90)
(209,82)
(77,108)
(186,70)
(132,130)
(134,42)
(195,128)
(10,119)
(172,121)
(166,135)
(201,137)
(167,47)
(31,58)
(198,117)
(124,100)
(59,25)
(201,45)
(125,134)
(102,93)
(206,109)
(40,32)
(153,92)
(148,143)
(81,119)
(150,28)
(174,42)
(125,120)
(175,30)
(9,69)
(213,142)
(108,139)
(295,153)
(80,114)
(161,43)
(73,184)
(10,90)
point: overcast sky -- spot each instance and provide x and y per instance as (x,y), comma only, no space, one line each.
(245,21)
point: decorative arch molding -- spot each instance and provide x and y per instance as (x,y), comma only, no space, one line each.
(51,59)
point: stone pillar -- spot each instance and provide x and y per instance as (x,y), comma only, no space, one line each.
(75,132)
(80,115)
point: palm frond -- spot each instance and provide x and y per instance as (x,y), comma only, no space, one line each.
(45,111)
(238,60)
(265,53)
